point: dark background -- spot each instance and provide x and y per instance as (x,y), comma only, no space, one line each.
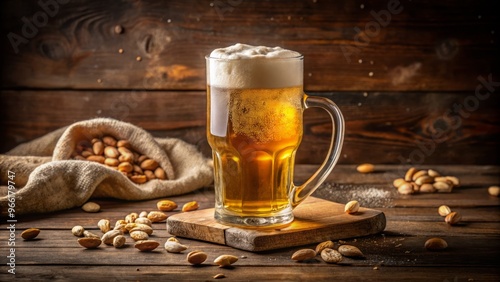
(409,76)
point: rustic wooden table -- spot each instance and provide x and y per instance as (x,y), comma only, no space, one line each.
(396,254)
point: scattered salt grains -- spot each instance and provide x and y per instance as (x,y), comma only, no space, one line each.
(367,196)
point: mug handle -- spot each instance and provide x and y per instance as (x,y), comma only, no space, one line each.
(300,193)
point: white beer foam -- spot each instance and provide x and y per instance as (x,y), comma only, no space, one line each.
(246,66)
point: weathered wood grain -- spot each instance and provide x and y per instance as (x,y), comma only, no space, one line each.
(410,46)
(277,273)
(380,126)
(311,225)
(397,254)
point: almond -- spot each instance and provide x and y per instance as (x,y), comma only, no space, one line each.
(303,254)
(443,187)
(98,148)
(166,205)
(89,242)
(139,179)
(427,188)
(30,233)
(398,182)
(365,168)
(350,251)
(406,189)
(453,218)
(444,210)
(351,207)
(190,206)
(97,159)
(433,173)
(494,191)
(156,216)
(160,173)
(149,174)
(196,257)
(124,143)
(91,207)
(174,247)
(108,237)
(424,179)
(418,174)
(409,174)
(146,245)
(111,162)
(111,152)
(108,140)
(149,164)
(226,260)
(321,246)
(125,167)
(435,244)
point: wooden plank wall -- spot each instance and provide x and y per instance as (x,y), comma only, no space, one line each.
(417,81)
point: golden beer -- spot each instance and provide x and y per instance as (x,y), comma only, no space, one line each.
(255,103)
(254,143)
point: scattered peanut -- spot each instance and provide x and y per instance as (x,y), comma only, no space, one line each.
(196,257)
(350,251)
(331,256)
(166,205)
(303,254)
(103,224)
(365,168)
(435,244)
(351,207)
(321,246)
(156,216)
(494,191)
(444,210)
(91,207)
(146,245)
(119,241)
(226,260)
(425,181)
(190,206)
(77,231)
(108,237)
(453,218)
(174,247)
(89,242)
(30,233)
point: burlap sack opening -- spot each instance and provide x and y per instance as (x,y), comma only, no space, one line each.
(45,184)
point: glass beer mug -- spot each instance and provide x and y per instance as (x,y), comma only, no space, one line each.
(255,105)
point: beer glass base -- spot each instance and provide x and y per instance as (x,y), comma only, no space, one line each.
(253,221)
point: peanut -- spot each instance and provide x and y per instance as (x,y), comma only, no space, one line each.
(226,260)
(435,244)
(351,207)
(119,155)
(190,206)
(166,205)
(365,168)
(303,254)
(30,233)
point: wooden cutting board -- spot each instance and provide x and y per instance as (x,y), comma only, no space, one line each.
(316,220)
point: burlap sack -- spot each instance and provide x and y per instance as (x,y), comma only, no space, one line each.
(47,179)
